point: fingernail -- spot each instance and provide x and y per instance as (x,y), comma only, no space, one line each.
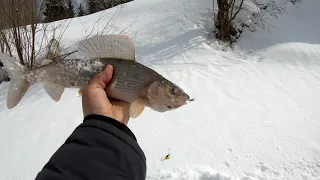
(107,68)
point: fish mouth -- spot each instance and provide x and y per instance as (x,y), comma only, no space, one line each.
(182,100)
(188,98)
(174,106)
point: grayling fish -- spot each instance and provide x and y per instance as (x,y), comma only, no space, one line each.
(131,82)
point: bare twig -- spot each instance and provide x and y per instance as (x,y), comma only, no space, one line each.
(134,21)
(235,14)
(66,55)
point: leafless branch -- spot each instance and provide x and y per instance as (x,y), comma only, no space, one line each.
(239,9)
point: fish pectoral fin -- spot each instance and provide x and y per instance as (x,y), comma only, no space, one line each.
(137,107)
(108,46)
(55,91)
(153,94)
(16,91)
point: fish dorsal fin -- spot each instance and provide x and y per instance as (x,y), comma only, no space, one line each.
(107,46)
(55,91)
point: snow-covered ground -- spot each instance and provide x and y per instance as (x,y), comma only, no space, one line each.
(256,113)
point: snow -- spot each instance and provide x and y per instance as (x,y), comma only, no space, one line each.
(255,114)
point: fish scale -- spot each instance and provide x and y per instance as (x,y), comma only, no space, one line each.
(130,79)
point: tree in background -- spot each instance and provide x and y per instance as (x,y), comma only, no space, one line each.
(92,6)
(81,10)
(69,9)
(58,9)
(123,1)
(112,3)
(99,5)
(55,10)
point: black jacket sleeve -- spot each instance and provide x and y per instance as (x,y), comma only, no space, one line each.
(99,148)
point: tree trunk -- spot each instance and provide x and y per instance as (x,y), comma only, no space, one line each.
(224,24)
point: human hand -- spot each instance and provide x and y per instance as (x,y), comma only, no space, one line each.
(96,101)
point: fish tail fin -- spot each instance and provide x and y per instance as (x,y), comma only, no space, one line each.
(18,83)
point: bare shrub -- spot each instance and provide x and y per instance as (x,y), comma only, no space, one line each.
(19,26)
(22,34)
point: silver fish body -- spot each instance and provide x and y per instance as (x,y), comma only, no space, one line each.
(131,81)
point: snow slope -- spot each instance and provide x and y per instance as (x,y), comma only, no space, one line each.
(255,115)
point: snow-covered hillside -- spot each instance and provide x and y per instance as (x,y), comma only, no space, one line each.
(256,113)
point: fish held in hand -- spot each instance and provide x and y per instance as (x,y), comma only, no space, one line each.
(132,82)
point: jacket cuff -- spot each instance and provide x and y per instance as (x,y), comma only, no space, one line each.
(122,127)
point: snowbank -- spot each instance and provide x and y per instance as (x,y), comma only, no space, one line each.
(255,116)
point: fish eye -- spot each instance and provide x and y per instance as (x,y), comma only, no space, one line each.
(174,90)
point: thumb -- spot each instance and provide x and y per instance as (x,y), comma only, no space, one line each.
(102,79)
